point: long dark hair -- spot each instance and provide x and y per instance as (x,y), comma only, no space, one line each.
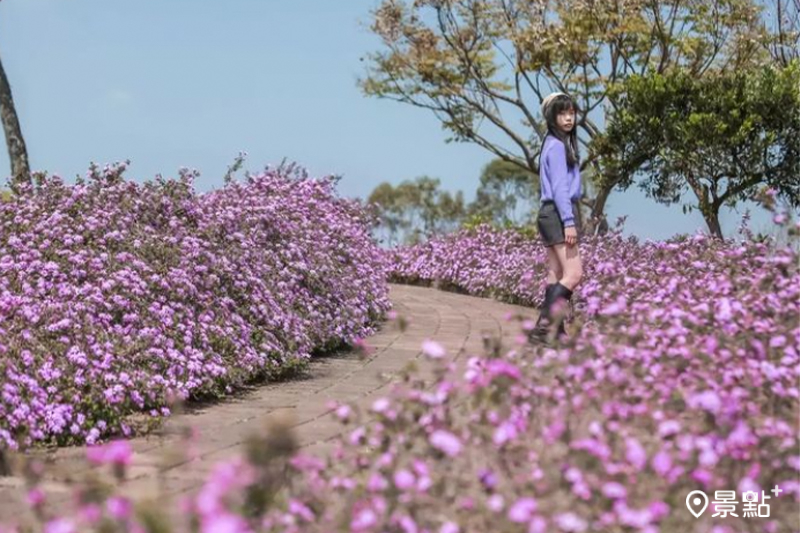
(558,104)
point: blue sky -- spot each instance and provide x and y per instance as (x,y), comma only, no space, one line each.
(168,84)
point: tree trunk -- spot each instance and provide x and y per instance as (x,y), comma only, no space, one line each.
(711,216)
(708,208)
(597,223)
(17,153)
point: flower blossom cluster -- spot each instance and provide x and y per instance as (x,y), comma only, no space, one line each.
(118,297)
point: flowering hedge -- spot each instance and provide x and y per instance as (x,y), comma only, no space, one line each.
(118,298)
(682,374)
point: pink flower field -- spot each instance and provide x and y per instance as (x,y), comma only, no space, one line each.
(680,374)
(117,298)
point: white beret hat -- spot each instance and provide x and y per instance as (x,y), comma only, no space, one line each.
(549,98)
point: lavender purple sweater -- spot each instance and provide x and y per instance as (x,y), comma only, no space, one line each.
(558,183)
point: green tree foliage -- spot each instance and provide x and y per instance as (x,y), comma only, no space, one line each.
(483,66)
(723,137)
(506,195)
(416,209)
(387,206)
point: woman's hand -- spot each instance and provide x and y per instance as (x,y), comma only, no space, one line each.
(571,235)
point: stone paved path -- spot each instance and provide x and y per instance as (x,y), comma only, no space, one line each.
(456,321)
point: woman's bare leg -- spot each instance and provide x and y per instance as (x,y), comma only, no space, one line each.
(569,260)
(554,270)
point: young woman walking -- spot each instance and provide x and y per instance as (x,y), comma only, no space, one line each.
(559,213)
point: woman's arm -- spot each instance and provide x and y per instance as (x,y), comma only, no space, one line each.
(559,182)
(576,189)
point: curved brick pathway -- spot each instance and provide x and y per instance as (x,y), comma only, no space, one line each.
(456,321)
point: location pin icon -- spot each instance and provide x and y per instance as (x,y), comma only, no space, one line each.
(697,501)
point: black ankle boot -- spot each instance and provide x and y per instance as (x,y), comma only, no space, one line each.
(561,292)
(546,300)
(561,331)
(540,330)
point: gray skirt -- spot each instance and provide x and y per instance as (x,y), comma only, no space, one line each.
(551,228)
